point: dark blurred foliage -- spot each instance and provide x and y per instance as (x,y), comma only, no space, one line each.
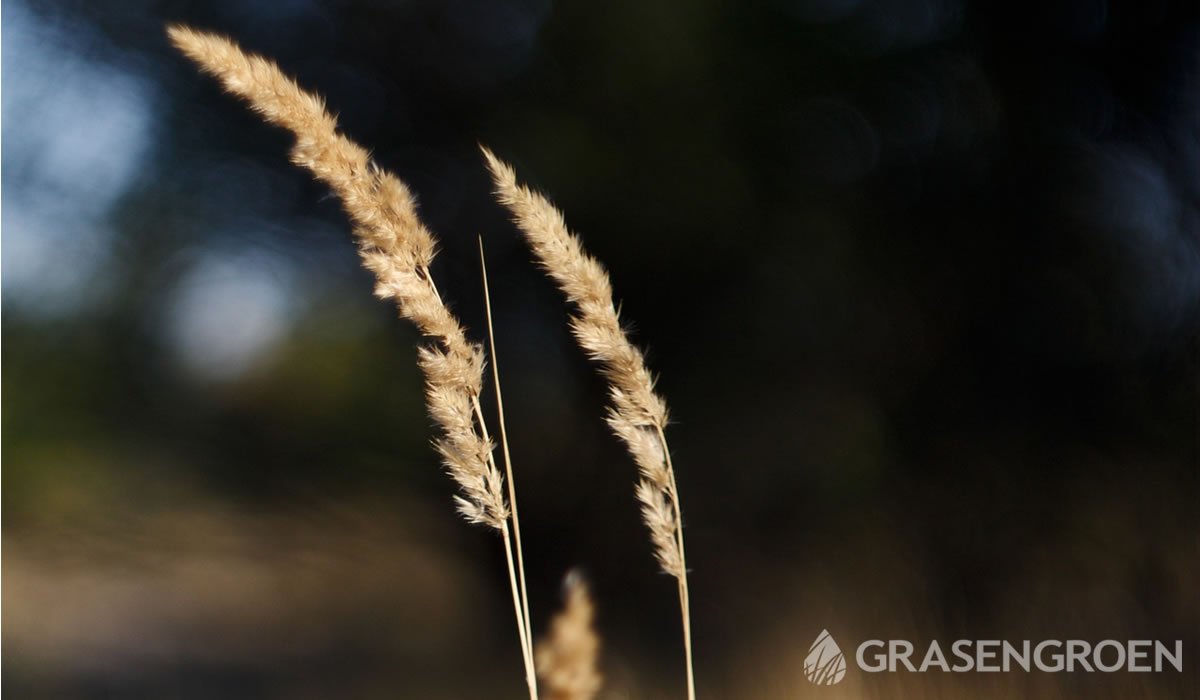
(921,277)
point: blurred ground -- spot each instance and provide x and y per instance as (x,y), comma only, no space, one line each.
(922,280)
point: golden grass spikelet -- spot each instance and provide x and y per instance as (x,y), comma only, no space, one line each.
(393,244)
(638,415)
(660,520)
(398,249)
(567,658)
(585,283)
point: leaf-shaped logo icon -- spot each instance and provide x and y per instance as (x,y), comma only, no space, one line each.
(824,664)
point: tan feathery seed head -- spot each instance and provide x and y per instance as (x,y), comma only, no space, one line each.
(585,283)
(645,447)
(452,370)
(255,78)
(638,414)
(393,244)
(567,658)
(659,516)
(380,205)
(398,249)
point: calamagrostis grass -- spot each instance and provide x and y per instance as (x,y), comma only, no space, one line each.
(567,657)
(638,415)
(396,246)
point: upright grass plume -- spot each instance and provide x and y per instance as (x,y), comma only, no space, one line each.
(396,246)
(567,657)
(638,415)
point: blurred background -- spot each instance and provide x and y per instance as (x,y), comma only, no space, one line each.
(921,278)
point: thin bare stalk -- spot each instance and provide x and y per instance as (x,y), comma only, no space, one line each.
(685,605)
(518,597)
(522,627)
(508,470)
